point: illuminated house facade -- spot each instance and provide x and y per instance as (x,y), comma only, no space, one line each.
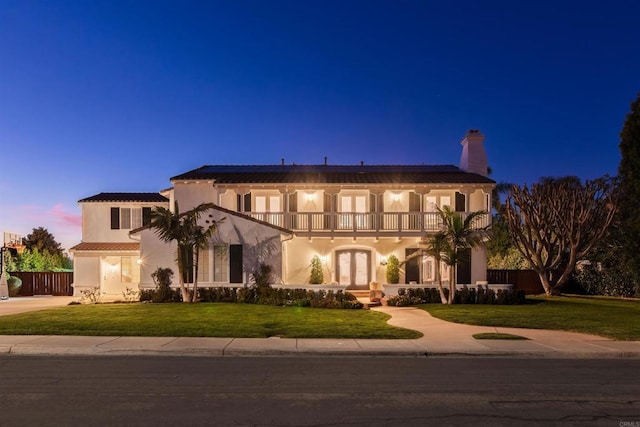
(353,217)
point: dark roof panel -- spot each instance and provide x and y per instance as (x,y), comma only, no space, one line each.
(333,174)
(126,197)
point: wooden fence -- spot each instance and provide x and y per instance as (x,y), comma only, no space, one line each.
(45,283)
(526,280)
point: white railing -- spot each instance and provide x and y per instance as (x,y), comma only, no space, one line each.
(386,222)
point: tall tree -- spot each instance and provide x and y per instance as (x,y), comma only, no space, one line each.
(200,238)
(182,228)
(436,246)
(629,174)
(558,222)
(461,233)
(43,241)
(501,251)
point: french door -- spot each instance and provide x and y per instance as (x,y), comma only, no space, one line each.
(354,268)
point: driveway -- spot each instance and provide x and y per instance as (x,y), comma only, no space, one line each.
(24,304)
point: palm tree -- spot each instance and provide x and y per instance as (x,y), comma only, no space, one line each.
(200,237)
(437,246)
(460,234)
(180,227)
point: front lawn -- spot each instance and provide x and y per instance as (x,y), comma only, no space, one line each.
(203,320)
(609,317)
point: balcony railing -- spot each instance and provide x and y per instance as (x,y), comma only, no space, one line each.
(344,222)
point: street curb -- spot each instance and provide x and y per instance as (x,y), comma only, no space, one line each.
(18,350)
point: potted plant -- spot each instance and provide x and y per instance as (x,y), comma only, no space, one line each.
(393,270)
(317,276)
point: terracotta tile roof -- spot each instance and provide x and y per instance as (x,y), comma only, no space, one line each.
(334,174)
(106,246)
(126,197)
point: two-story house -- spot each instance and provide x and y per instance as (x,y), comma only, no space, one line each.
(353,217)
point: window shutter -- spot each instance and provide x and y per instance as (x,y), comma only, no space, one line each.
(372,203)
(414,202)
(146,216)
(381,203)
(327,203)
(293,202)
(412,267)
(238,203)
(460,202)
(115,218)
(247,202)
(235,263)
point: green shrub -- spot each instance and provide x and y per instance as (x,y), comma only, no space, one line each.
(280,297)
(162,278)
(615,283)
(317,275)
(415,296)
(262,276)
(14,283)
(393,270)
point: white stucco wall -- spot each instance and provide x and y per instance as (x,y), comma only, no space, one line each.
(86,272)
(478,264)
(191,194)
(232,230)
(299,252)
(96,221)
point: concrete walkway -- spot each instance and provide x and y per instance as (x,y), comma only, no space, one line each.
(441,339)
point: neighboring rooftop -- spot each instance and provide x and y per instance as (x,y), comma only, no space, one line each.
(125,197)
(106,246)
(333,174)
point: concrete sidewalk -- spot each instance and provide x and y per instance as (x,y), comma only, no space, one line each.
(441,339)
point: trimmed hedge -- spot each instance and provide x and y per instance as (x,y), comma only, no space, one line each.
(259,295)
(280,297)
(415,296)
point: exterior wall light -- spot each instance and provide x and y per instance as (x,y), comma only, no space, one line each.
(395,197)
(383,260)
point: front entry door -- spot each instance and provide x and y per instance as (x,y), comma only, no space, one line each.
(354,268)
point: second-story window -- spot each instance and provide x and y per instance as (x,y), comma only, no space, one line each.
(129,218)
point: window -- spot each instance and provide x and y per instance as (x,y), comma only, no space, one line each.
(125,269)
(266,207)
(220,263)
(203,265)
(129,218)
(136,218)
(431,204)
(125,218)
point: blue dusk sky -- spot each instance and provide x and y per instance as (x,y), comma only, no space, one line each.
(99,96)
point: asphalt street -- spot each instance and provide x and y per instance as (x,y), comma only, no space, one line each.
(317,391)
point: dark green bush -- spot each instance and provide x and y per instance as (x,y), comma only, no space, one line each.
(280,297)
(262,276)
(609,282)
(162,278)
(14,283)
(415,296)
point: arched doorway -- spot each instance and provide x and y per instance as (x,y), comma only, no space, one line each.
(353,268)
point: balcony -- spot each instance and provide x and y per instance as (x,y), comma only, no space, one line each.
(362,224)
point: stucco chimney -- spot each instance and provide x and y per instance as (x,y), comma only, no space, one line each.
(474,158)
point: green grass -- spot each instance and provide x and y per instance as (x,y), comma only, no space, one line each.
(203,320)
(608,317)
(497,336)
